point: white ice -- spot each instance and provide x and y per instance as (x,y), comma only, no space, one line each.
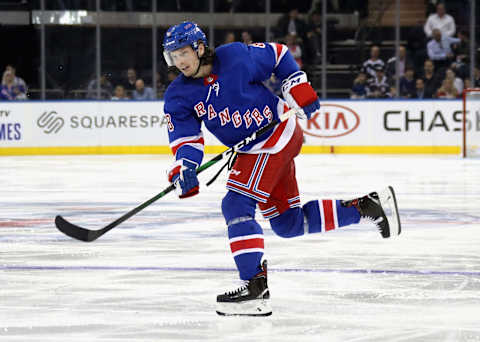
(155,277)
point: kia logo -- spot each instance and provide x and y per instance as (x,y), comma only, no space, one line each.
(51,122)
(332,121)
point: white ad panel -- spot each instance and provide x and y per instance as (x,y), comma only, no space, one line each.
(395,123)
(131,123)
(50,124)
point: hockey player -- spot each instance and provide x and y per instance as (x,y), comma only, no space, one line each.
(224,90)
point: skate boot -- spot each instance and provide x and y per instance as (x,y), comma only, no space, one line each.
(250,299)
(381,208)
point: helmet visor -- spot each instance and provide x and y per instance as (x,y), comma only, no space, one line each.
(168,58)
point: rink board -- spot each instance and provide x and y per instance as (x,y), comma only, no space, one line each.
(106,127)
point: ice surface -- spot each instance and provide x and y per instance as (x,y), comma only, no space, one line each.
(155,277)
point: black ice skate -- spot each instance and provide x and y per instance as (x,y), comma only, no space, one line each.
(381,208)
(250,299)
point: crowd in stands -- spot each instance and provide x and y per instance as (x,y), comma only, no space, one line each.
(129,88)
(433,64)
(438,66)
(12,87)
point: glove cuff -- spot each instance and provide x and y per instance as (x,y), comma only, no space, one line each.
(303,94)
(191,192)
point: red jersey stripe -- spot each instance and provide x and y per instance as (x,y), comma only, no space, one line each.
(276,135)
(279,130)
(246,244)
(279,51)
(328,214)
(198,141)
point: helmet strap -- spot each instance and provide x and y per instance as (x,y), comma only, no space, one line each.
(199,64)
(199,59)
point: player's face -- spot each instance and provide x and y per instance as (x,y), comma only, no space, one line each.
(186,60)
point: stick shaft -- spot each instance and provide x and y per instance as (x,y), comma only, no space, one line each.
(88,235)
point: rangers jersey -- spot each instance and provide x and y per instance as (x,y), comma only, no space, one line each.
(232,101)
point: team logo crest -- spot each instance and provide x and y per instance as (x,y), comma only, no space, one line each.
(213,84)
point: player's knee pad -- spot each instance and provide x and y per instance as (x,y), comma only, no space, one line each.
(236,206)
(289,224)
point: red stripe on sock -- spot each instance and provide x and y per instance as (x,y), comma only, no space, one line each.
(328,214)
(246,244)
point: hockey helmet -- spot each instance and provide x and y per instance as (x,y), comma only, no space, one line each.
(178,36)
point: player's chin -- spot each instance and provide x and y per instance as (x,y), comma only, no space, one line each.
(187,72)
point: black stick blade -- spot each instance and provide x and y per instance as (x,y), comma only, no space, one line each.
(74,231)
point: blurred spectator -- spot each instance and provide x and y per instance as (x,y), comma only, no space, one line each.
(407,84)
(294,48)
(392,92)
(378,86)
(419,89)
(440,50)
(476,78)
(129,83)
(467,84)
(119,93)
(417,45)
(171,76)
(462,54)
(18,81)
(141,92)
(160,83)
(359,88)
(106,89)
(313,44)
(8,89)
(229,37)
(374,62)
(403,62)
(246,38)
(430,79)
(441,21)
(457,82)
(447,90)
(291,23)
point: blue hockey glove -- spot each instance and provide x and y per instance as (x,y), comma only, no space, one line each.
(311,108)
(183,175)
(298,93)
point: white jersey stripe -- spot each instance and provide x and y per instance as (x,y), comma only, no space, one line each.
(282,141)
(185,139)
(335,216)
(278,57)
(246,237)
(322,216)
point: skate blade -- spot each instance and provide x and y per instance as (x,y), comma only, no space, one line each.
(389,205)
(257,307)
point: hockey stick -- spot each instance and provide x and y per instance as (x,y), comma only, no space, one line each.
(88,235)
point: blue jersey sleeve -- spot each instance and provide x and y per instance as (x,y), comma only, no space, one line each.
(184,130)
(268,58)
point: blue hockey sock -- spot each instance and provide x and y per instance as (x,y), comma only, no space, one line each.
(325,215)
(244,233)
(289,224)
(246,244)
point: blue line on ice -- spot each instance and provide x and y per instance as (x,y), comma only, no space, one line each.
(218,269)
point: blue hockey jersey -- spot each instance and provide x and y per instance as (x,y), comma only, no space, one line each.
(232,101)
